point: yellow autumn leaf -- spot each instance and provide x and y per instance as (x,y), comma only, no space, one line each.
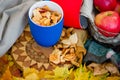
(98,77)
(81,74)
(113,78)
(60,73)
(28,71)
(17,78)
(43,73)
(32,76)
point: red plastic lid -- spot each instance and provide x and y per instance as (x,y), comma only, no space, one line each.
(71,9)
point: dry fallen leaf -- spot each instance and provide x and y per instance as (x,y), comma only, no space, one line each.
(55,56)
(97,69)
(72,40)
(112,68)
(82,36)
(70,51)
(7,75)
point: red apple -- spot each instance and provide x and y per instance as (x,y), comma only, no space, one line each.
(108,23)
(105,5)
(117,8)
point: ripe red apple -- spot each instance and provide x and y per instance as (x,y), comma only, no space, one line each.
(105,5)
(108,23)
(117,8)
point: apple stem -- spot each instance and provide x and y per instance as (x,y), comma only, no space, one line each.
(109,14)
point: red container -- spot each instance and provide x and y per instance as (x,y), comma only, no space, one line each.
(71,9)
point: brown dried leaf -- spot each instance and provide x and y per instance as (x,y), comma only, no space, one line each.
(82,36)
(7,75)
(111,68)
(63,33)
(55,56)
(69,31)
(69,57)
(66,46)
(72,50)
(75,63)
(58,46)
(65,51)
(80,50)
(98,69)
(79,58)
(71,40)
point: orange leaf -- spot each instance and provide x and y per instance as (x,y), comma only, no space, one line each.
(7,75)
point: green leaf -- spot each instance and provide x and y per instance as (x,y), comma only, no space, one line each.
(60,73)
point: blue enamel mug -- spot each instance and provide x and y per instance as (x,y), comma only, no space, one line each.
(46,35)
